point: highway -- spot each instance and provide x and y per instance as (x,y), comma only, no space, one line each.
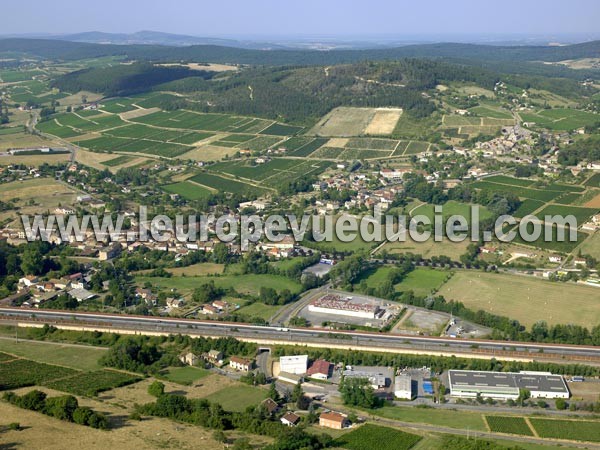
(308,336)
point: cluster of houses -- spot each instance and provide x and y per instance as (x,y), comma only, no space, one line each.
(33,292)
(298,364)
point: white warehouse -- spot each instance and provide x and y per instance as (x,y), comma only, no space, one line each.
(403,387)
(506,385)
(296,365)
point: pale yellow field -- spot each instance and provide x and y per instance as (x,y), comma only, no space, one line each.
(337,142)
(41,431)
(138,113)
(591,246)
(209,153)
(34,160)
(384,122)
(428,248)
(525,298)
(209,66)
(93,159)
(23,140)
(44,192)
(344,121)
(75,99)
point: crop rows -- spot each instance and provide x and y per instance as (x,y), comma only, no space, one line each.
(373,436)
(92,383)
(511,425)
(576,430)
(21,372)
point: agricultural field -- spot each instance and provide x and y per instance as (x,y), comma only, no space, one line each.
(423,281)
(581,214)
(244,284)
(22,372)
(188,190)
(383,122)
(508,424)
(299,146)
(375,436)
(258,309)
(428,249)
(221,184)
(273,173)
(472,126)
(199,269)
(527,207)
(593,181)
(524,298)
(209,152)
(118,161)
(560,119)
(565,245)
(591,246)
(115,144)
(458,419)
(46,193)
(74,357)
(279,129)
(189,120)
(451,208)
(545,195)
(344,121)
(91,384)
(574,430)
(238,398)
(184,375)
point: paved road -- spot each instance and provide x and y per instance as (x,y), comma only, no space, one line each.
(316,337)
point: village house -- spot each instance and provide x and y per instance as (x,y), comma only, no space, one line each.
(173,302)
(270,405)
(215,357)
(335,420)
(209,309)
(290,419)
(28,280)
(242,364)
(189,359)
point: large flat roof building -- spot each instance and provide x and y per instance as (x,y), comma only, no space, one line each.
(296,364)
(403,387)
(506,385)
(335,304)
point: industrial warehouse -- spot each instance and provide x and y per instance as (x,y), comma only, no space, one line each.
(336,304)
(506,385)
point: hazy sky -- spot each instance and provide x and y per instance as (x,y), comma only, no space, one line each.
(303,17)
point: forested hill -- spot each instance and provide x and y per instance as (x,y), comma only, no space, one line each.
(124,79)
(290,93)
(66,50)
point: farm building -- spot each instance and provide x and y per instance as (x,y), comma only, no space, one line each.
(506,385)
(335,304)
(403,387)
(332,419)
(291,378)
(296,364)
(377,379)
(320,369)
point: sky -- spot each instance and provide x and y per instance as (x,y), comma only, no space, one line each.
(335,18)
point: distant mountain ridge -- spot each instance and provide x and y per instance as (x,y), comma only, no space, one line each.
(146,37)
(69,50)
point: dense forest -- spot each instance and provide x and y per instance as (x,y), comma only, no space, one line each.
(124,79)
(289,93)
